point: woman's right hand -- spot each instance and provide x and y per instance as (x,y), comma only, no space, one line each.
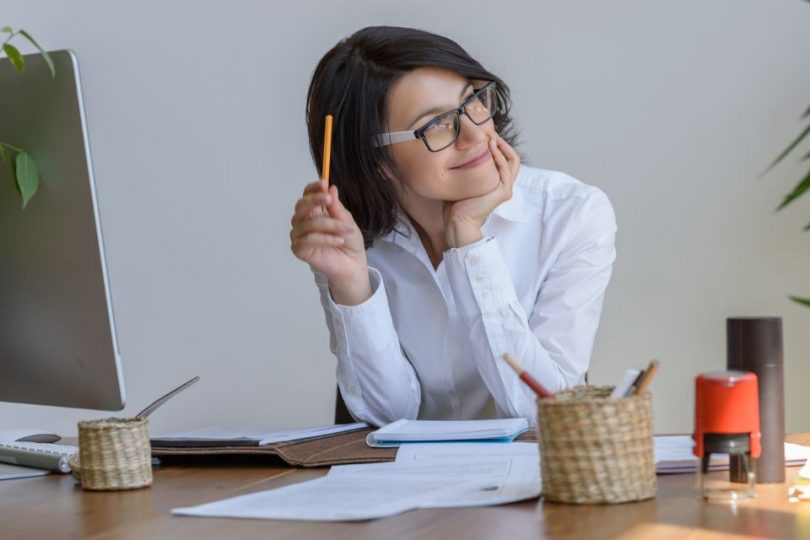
(325,235)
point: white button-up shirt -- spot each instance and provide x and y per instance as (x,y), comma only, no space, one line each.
(428,343)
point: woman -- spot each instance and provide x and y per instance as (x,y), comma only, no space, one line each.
(435,251)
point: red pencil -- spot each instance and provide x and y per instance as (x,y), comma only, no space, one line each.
(527,378)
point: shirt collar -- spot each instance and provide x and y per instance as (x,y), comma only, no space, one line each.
(519,207)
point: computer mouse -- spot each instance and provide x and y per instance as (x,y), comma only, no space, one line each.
(40,438)
(34,434)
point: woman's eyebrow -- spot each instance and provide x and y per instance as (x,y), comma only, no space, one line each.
(437,110)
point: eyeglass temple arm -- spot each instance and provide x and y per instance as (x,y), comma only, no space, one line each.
(384,139)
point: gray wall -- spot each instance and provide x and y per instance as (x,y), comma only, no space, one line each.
(196,122)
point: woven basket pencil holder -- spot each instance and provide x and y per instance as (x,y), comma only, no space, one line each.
(594,449)
(114,454)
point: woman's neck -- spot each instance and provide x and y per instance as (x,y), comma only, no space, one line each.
(429,225)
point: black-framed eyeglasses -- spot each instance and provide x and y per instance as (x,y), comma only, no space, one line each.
(442,131)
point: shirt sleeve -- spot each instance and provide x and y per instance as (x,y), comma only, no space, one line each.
(555,340)
(376,380)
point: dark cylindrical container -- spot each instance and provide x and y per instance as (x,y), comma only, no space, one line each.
(755,344)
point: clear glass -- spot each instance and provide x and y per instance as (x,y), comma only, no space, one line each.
(717,486)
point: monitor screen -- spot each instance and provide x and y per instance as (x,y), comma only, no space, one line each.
(57,333)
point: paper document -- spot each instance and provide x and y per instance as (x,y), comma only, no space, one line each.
(673,454)
(511,471)
(333,498)
(214,436)
(423,476)
(497,430)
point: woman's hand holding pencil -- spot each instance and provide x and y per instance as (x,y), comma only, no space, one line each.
(325,235)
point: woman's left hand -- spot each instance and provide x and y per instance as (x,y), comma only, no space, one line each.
(463,219)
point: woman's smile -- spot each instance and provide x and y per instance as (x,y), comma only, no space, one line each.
(480,159)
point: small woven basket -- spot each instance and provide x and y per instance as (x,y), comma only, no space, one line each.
(595,449)
(114,454)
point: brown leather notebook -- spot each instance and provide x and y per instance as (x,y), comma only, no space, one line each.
(340,449)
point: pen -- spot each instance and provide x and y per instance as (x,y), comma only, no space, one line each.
(626,384)
(527,378)
(632,389)
(646,377)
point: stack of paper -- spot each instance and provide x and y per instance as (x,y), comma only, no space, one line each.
(423,476)
(673,454)
(410,431)
(214,436)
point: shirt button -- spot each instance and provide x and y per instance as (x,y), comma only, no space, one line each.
(474,260)
(353,390)
(485,294)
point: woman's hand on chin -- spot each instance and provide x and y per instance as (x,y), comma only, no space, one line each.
(463,219)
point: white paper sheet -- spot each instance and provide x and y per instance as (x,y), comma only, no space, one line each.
(333,498)
(423,476)
(673,454)
(433,452)
(9,472)
(214,434)
(510,471)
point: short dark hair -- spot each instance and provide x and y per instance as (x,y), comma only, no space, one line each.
(352,82)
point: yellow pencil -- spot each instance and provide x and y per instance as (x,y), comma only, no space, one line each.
(327,149)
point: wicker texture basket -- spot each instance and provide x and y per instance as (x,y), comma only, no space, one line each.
(114,454)
(595,449)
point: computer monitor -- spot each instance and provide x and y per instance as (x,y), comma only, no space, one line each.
(57,334)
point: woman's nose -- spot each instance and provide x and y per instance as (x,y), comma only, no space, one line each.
(470,134)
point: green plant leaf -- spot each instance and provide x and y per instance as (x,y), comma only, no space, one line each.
(7,30)
(42,51)
(802,301)
(797,192)
(27,177)
(787,150)
(14,56)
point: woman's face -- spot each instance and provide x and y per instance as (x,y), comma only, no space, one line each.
(448,175)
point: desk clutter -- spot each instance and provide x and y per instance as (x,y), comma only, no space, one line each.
(368,483)
(592,445)
(114,453)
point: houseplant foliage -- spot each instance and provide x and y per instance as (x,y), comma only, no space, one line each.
(21,164)
(803,187)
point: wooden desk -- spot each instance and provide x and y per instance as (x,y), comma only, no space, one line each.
(54,507)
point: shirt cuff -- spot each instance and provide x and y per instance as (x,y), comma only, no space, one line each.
(479,278)
(364,323)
